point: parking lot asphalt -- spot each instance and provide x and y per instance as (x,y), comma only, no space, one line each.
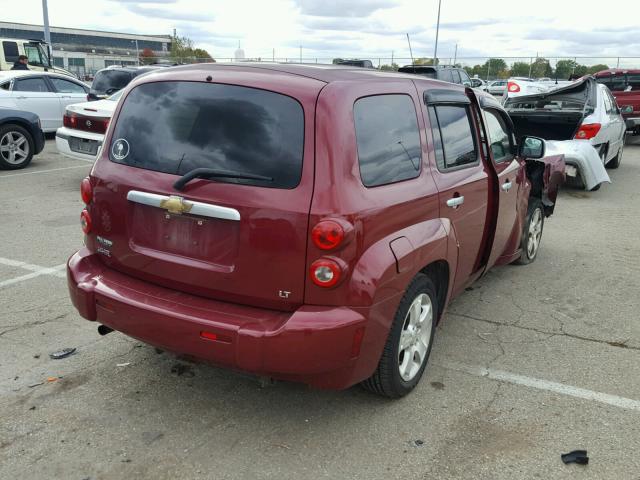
(529,363)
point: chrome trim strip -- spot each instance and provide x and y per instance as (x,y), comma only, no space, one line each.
(197,208)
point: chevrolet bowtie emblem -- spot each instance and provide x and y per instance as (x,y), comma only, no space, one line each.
(176,205)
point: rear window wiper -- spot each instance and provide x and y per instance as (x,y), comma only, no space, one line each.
(214,173)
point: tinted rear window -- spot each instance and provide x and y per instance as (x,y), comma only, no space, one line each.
(110,80)
(10,51)
(175,127)
(388,139)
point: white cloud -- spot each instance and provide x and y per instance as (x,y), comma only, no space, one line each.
(363,28)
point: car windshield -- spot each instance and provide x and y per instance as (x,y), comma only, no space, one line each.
(176,127)
(108,81)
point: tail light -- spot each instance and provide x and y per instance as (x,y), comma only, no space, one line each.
(85,221)
(69,121)
(513,87)
(88,124)
(588,131)
(86,191)
(327,235)
(325,272)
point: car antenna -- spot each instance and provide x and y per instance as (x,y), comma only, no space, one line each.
(410,52)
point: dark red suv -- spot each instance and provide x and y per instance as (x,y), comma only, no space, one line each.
(301,222)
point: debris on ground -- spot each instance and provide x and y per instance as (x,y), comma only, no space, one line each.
(417,443)
(35,384)
(126,364)
(577,456)
(32,408)
(52,379)
(37,355)
(181,369)
(64,353)
(437,385)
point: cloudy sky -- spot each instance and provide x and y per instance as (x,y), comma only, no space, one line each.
(362,28)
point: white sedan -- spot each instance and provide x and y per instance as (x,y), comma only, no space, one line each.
(84,127)
(45,94)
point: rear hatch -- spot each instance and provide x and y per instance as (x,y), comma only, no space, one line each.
(234,239)
(553,115)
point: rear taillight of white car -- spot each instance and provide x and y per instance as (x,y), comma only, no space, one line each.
(88,124)
(588,131)
(513,87)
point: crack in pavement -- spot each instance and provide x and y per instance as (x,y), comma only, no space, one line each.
(562,333)
(13,328)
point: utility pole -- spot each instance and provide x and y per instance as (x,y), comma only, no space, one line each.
(410,51)
(455,56)
(300,53)
(47,33)
(391,58)
(273,55)
(435,51)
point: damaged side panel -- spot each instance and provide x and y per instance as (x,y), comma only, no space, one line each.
(546,175)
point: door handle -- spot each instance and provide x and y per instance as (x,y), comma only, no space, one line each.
(506,186)
(455,202)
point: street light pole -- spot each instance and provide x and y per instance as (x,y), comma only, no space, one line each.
(47,32)
(455,56)
(137,52)
(435,52)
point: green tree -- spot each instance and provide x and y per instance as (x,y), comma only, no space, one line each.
(565,68)
(541,68)
(597,68)
(520,69)
(494,67)
(182,51)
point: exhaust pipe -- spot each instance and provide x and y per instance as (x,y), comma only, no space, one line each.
(103,330)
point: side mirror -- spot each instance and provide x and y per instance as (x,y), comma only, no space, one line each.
(531,148)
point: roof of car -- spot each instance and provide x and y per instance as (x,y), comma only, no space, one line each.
(132,69)
(322,72)
(6,74)
(617,71)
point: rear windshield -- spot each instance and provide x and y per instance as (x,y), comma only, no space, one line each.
(175,127)
(109,81)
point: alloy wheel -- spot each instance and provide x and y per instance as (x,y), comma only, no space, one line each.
(535,233)
(415,337)
(14,148)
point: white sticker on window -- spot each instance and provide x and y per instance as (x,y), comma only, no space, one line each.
(120,149)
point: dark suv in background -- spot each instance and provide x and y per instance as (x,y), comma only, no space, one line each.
(444,73)
(111,79)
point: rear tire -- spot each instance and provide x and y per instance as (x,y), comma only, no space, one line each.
(532,232)
(408,346)
(16,147)
(615,161)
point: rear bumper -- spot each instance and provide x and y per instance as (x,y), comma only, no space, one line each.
(313,344)
(62,143)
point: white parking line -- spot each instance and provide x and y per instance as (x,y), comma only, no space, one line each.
(561,388)
(36,271)
(41,171)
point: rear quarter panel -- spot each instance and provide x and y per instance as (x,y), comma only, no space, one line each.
(380,215)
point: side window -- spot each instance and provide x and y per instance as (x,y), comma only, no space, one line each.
(65,86)
(388,139)
(464,77)
(456,76)
(5,85)
(437,138)
(614,103)
(36,84)
(499,137)
(33,55)
(10,50)
(445,75)
(633,81)
(607,102)
(457,138)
